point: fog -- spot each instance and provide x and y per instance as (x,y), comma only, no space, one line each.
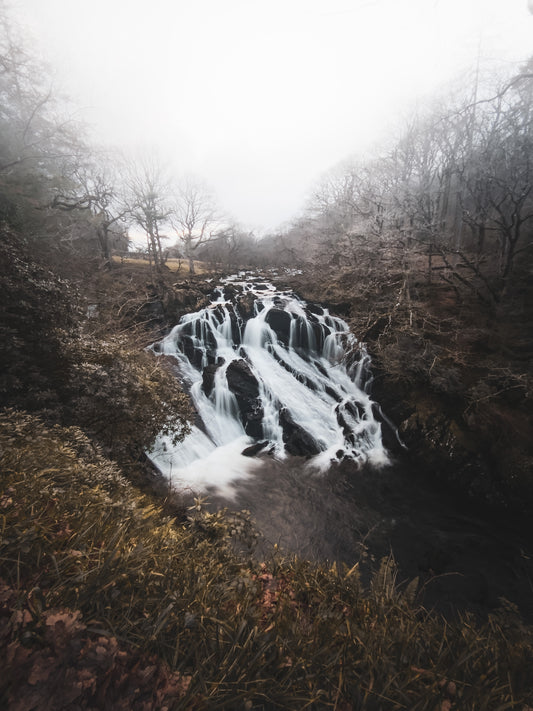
(261,98)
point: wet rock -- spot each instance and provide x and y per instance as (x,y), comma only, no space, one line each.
(389,432)
(254,449)
(230,292)
(356,409)
(210,343)
(208,376)
(220,314)
(246,306)
(320,335)
(241,380)
(235,329)
(194,354)
(182,299)
(243,384)
(280,322)
(297,441)
(307,336)
(346,430)
(333,393)
(315,309)
(321,368)
(217,313)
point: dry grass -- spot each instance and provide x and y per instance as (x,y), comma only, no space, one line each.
(91,566)
(180,266)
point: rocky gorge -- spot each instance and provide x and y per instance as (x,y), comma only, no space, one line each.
(442,506)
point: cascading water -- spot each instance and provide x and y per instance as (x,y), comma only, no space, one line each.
(267,374)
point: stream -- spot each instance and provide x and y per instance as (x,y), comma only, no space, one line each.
(286,427)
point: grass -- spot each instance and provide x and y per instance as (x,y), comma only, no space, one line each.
(107,600)
(180,266)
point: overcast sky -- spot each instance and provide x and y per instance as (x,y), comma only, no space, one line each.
(261,98)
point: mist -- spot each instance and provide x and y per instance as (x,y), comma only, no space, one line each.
(261,99)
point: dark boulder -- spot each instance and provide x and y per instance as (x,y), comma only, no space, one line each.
(230,292)
(280,322)
(254,449)
(315,309)
(220,314)
(297,441)
(333,393)
(193,353)
(208,376)
(308,336)
(243,384)
(245,306)
(181,299)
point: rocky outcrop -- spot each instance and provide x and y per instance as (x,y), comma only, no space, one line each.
(280,322)
(297,441)
(243,384)
(255,448)
(246,306)
(208,376)
(180,299)
(308,334)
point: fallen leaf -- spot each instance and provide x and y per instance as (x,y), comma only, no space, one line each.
(41,669)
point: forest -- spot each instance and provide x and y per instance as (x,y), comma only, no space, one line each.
(115,591)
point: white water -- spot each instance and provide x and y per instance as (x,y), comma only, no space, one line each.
(311,368)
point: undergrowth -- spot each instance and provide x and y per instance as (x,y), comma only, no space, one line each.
(107,603)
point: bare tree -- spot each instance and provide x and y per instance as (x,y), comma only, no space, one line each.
(149,198)
(97,188)
(195,217)
(231,247)
(39,146)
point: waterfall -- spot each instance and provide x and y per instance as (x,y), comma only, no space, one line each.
(275,378)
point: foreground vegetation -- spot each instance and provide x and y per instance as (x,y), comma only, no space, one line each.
(107,601)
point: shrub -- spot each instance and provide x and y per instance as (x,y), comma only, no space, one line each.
(37,309)
(121,396)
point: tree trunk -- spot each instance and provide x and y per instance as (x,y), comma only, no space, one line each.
(103,239)
(481,232)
